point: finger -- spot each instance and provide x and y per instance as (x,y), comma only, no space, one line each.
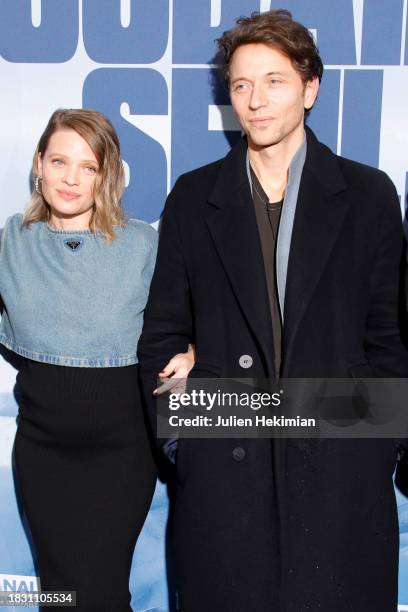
(169,384)
(181,372)
(168,369)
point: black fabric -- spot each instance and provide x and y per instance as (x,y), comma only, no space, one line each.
(268,217)
(296,525)
(86,478)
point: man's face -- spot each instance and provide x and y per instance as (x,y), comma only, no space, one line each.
(268,95)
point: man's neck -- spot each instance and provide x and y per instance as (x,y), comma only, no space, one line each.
(271,165)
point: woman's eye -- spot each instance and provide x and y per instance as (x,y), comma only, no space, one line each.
(57,162)
(90,170)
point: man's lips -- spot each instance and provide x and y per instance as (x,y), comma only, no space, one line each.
(67,195)
(259,121)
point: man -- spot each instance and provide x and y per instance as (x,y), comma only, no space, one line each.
(283,525)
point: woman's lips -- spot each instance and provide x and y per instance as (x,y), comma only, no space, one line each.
(67,195)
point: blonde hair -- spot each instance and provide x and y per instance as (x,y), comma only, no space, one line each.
(101,136)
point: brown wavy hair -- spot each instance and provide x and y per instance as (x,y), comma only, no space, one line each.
(99,133)
(278,30)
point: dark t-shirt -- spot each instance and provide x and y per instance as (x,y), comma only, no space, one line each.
(268,216)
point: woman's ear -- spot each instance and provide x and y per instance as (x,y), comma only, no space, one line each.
(39,165)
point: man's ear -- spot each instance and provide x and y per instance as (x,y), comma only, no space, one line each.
(311,91)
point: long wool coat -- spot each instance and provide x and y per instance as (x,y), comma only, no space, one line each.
(288,525)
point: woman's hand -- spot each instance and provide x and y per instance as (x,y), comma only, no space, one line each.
(175,372)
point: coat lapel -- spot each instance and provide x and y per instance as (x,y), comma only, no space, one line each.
(319,215)
(233,227)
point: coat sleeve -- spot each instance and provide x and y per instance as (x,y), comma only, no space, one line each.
(384,347)
(167,328)
(405,292)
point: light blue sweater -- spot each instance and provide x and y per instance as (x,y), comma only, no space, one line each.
(72,299)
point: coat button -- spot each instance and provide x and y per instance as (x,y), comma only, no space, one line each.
(238,453)
(245,361)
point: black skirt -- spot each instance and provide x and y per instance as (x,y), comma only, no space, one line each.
(86,477)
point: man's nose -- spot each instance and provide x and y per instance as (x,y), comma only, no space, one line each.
(258,96)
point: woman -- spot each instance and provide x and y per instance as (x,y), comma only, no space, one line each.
(74,279)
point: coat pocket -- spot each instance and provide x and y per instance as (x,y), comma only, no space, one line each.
(361,370)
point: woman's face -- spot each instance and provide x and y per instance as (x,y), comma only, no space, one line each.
(68,169)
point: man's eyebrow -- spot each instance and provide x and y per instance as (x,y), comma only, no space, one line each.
(272,73)
(277,73)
